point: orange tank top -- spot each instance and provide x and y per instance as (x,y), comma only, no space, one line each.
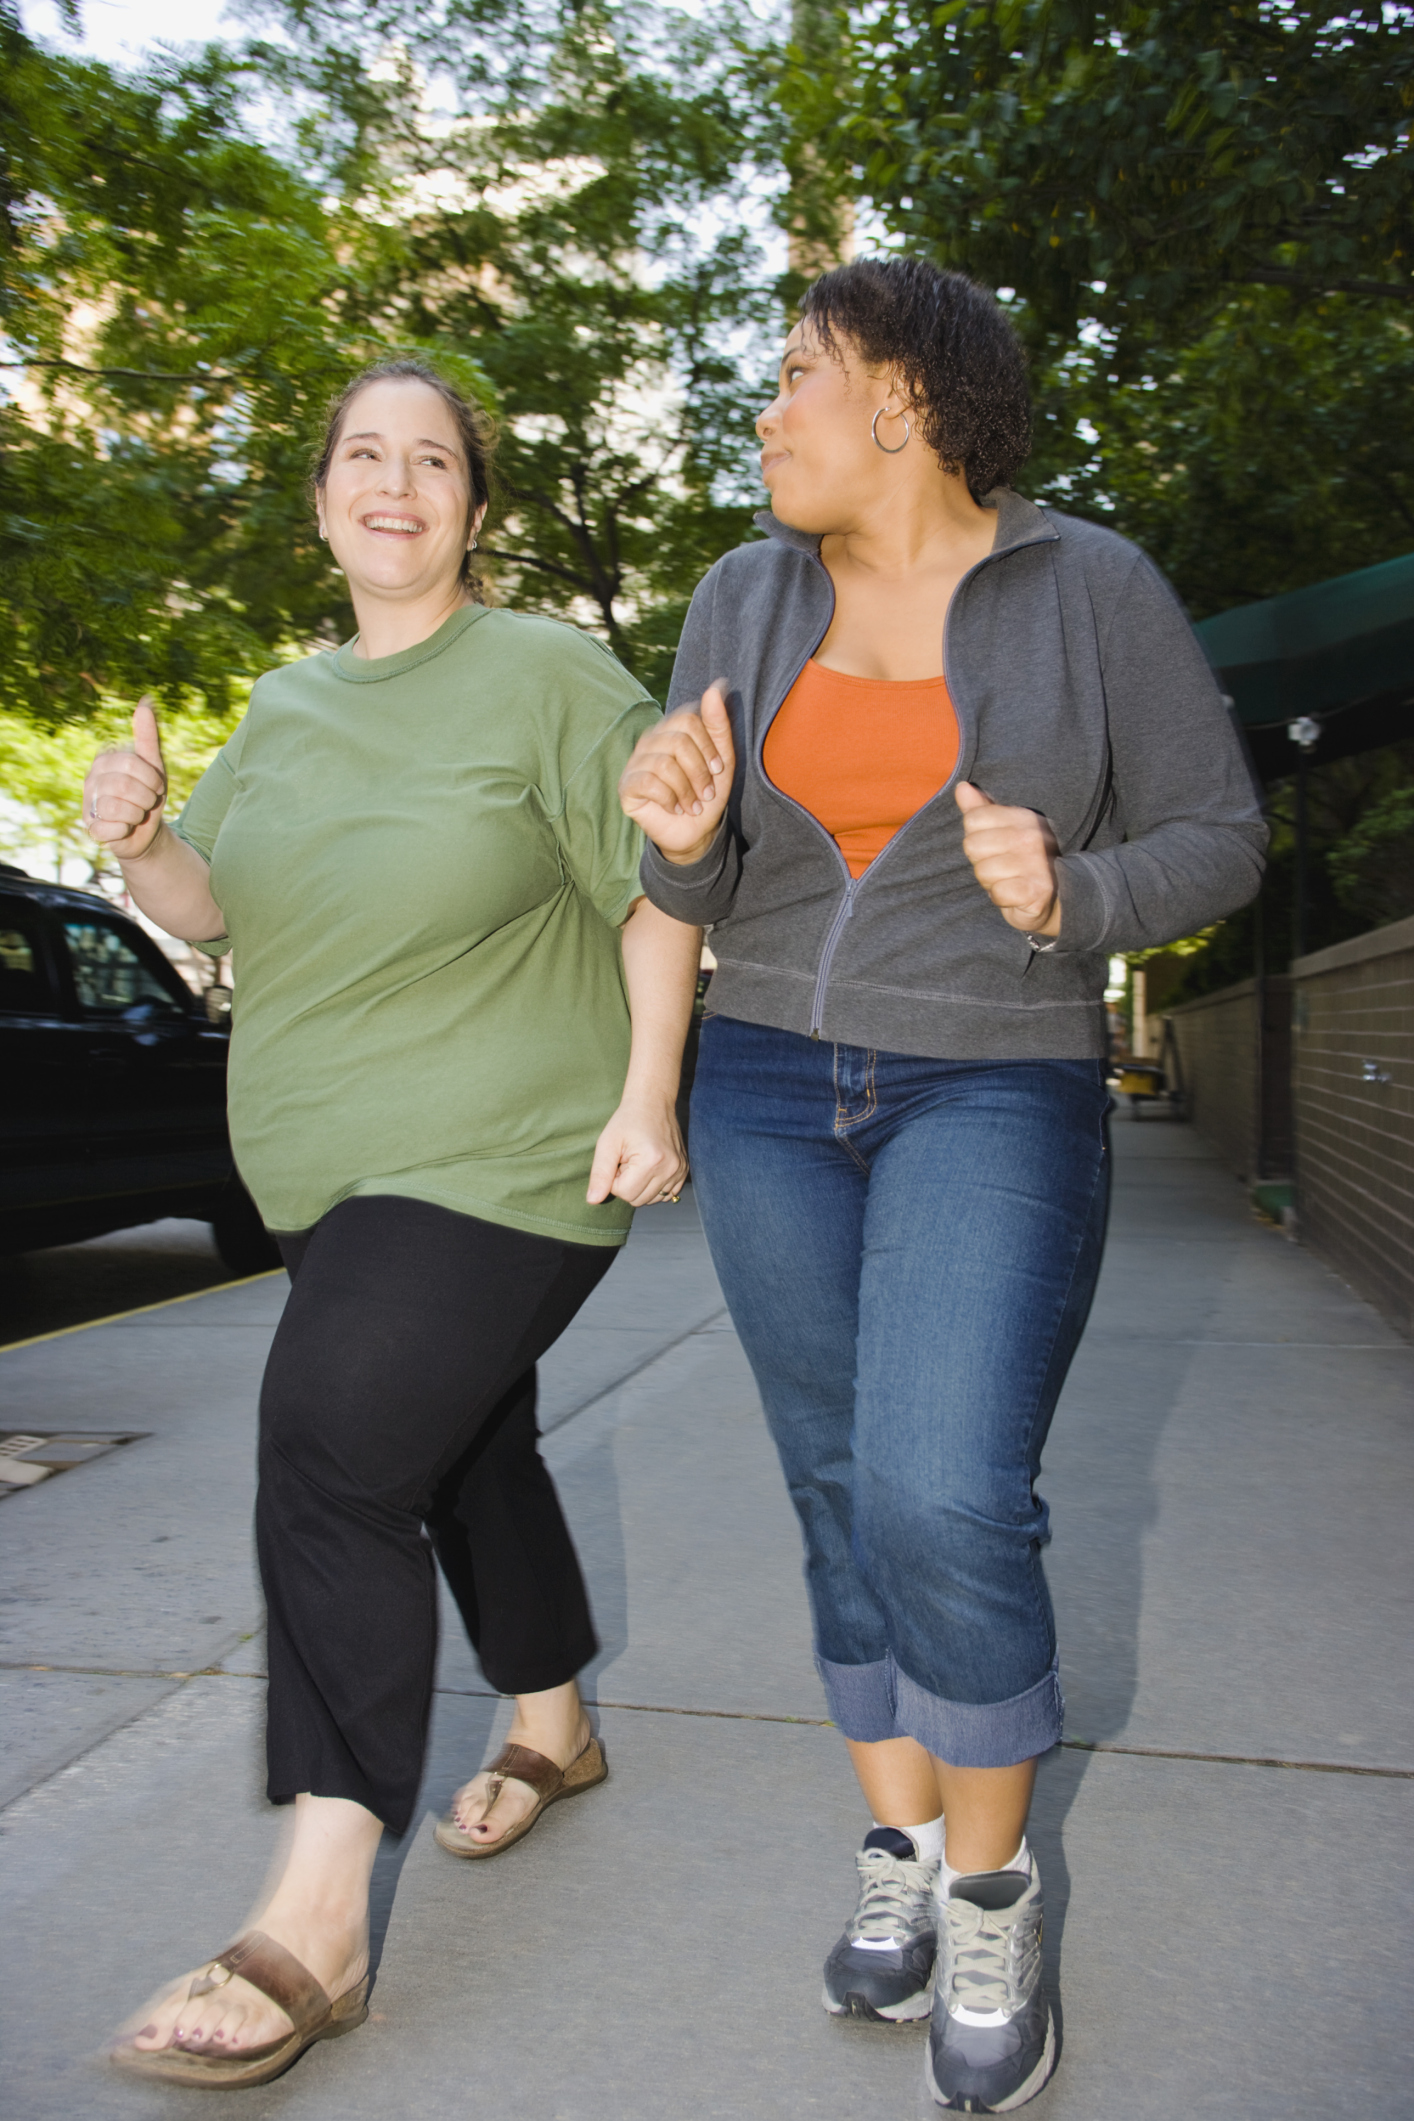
(862,754)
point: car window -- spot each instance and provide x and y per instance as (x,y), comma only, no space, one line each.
(108,972)
(24,970)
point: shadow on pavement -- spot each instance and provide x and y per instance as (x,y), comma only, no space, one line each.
(72,1285)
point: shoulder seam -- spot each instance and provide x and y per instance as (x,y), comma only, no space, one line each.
(631,707)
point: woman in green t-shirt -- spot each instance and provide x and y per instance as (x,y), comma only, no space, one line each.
(452,1075)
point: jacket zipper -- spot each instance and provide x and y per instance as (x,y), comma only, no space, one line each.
(817,1006)
(846,907)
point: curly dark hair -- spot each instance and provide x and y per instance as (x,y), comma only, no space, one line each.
(952,349)
(474,432)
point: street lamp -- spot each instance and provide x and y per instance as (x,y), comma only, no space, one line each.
(1305,733)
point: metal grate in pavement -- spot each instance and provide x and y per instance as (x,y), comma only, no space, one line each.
(26,1460)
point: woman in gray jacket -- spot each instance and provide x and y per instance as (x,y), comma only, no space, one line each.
(936,753)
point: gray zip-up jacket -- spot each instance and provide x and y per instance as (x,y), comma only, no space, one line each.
(1081,692)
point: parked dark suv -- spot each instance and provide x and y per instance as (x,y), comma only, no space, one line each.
(113,1106)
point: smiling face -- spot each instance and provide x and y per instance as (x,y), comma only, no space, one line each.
(396,504)
(818,457)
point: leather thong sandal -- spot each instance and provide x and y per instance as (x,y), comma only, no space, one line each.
(519,1763)
(277,1974)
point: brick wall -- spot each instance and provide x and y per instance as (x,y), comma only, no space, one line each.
(1236,1072)
(1216,1038)
(1354,1017)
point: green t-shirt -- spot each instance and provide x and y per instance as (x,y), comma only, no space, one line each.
(423,870)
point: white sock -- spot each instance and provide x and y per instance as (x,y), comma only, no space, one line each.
(927,1839)
(948,1877)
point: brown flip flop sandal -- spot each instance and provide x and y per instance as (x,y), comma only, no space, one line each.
(518,1763)
(277,1973)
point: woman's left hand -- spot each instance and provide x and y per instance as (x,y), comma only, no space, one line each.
(1013,857)
(639,1157)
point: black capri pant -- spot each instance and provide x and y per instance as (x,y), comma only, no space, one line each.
(398,1417)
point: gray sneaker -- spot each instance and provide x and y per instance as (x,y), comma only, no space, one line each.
(882,1967)
(992,2043)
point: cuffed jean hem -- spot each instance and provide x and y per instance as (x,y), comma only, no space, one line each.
(870,1702)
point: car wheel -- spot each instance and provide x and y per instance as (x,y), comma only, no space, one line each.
(244,1243)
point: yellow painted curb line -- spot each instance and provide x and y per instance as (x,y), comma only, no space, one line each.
(116,1318)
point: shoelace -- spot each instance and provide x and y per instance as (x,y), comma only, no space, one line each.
(980,1952)
(894,1897)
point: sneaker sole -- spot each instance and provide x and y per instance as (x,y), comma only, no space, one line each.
(912,2011)
(1034,2083)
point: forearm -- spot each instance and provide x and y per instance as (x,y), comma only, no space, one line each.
(661,959)
(172,885)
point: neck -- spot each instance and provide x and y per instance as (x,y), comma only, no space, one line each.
(915,529)
(387,626)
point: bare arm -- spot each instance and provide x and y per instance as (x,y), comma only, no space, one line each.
(172,884)
(123,798)
(640,1156)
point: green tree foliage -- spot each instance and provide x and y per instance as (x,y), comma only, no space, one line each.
(1204,217)
(176,302)
(1359,875)
(576,208)
(1273,450)
(1135,162)
(590,246)
(181,302)
(811,76)
(1369,866)
(42,768)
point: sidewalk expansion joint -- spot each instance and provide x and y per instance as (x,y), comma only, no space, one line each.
(587,1406)
(1332,1347)
(1070,1745)
(1304,1767)
(819,1723)
(652,1708)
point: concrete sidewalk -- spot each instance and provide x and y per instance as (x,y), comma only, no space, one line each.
(1224,1837)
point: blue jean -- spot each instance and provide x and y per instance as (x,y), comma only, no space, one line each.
(909,1248)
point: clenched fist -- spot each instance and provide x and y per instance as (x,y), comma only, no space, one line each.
(679,776)
(1013,857)
(125,791)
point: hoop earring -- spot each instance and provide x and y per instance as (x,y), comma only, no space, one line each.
(472,546)
(874,431)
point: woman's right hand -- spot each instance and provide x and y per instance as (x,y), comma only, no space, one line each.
(678,779)
(125,791)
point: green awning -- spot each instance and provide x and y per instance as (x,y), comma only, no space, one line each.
(1320,651)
